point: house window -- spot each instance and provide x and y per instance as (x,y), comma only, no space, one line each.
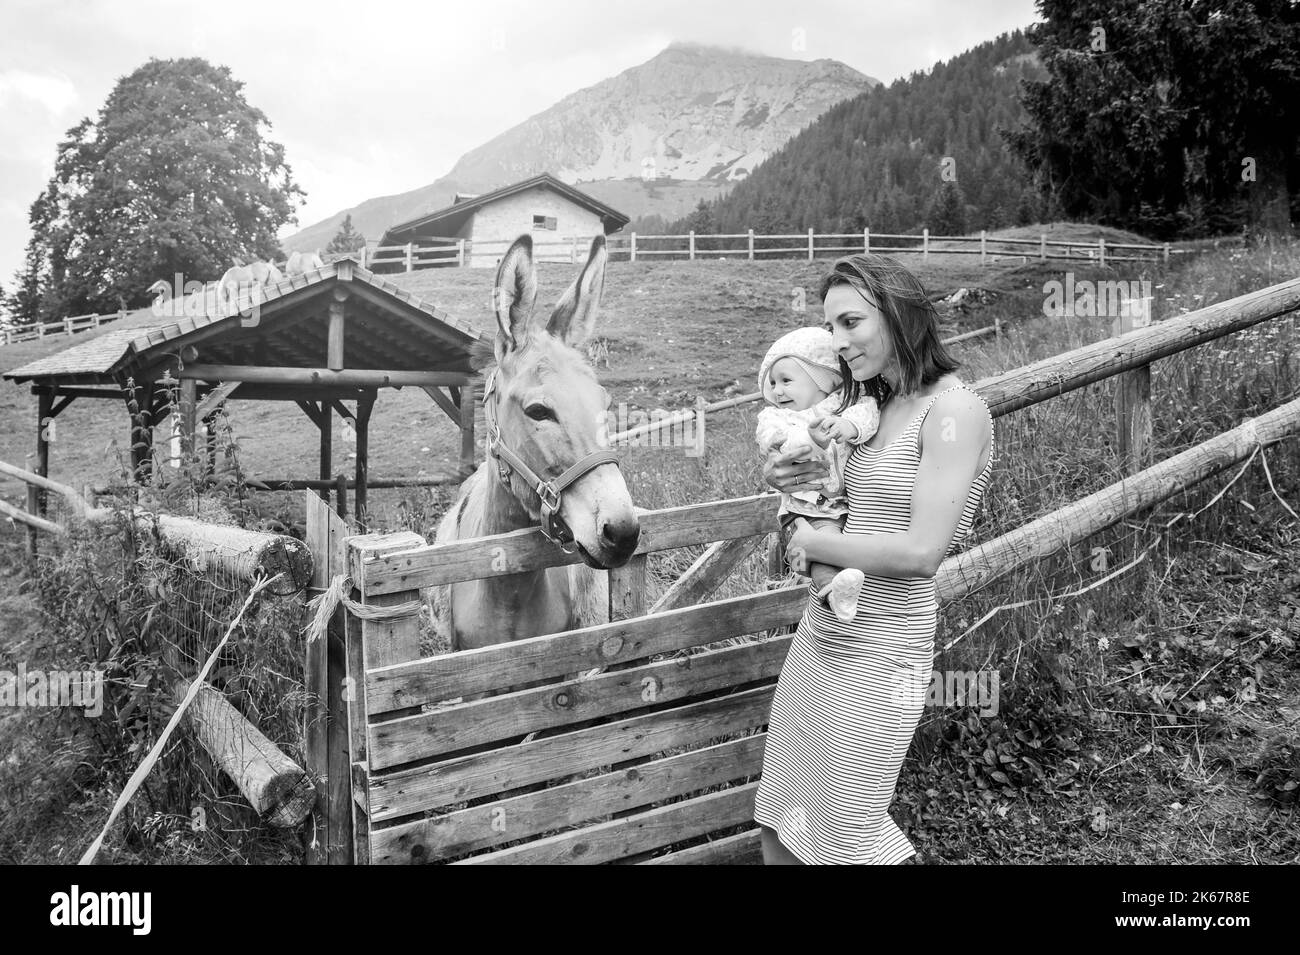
(544,222)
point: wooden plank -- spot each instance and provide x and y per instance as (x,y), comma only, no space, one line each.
(470,672)
(389,641)
(1133,401)
(639,833)
(469,400)
(334,347)
(475,776)
(465,725)
(326,730)
(743,848)
(215,398)
(527,549)
(708,572)
(570,804)
(627,589)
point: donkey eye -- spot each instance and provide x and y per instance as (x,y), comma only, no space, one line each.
(540,412)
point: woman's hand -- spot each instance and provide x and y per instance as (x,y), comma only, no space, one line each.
(786,473)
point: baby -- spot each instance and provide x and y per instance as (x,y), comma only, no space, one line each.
(800,380)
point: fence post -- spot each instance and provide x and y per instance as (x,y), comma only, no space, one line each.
(410,250)
(692,245)
(1042,247)
(751,244)
(1101,252)
(97,318)
(925,243)
(1133,399)
(810,244)
(1166,253)
(632,249)
(372,644)
(866,240)
(573,251)
(984,252)
(460,253)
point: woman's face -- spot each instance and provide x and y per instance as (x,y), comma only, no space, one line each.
(858,332)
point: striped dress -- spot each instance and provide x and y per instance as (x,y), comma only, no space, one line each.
(850,695)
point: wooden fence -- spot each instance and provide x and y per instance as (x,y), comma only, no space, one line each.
(656,762)
(751,245)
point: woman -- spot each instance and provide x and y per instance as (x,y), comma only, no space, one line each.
(850,694)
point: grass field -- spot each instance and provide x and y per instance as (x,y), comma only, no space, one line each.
(1151,719)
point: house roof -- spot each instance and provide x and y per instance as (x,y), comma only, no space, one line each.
(388,328)
(448,220)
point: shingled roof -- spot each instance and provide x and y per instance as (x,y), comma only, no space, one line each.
(428,339)
(447,220)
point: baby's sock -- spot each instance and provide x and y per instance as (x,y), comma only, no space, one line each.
(842,593)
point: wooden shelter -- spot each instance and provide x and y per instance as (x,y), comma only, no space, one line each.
(336,334)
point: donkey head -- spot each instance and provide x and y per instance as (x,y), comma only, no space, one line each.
(551,409)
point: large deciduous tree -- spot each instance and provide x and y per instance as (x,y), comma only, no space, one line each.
(176,175)
(1173,116)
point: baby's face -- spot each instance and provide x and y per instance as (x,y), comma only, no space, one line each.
(791,386)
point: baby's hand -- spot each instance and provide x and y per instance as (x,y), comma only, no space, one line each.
(835,428)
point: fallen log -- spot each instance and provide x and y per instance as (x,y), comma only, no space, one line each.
(274,785)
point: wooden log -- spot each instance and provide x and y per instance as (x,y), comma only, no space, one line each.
(324,377)
(31,520)
(404,791)
(633,834)
(517,714)
(1041,538)
(704,576)
(364,408)
(470,672)
(570,804)
(277,787)
(528,550)
(231,550)
(1063,373)
(334,344)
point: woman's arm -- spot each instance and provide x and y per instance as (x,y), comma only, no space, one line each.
(802,469)
(953,440)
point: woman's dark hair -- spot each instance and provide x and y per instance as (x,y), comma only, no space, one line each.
(912,322)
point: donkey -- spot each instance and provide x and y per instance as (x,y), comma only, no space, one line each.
(549,408)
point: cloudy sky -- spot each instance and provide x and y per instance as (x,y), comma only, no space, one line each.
(374,98)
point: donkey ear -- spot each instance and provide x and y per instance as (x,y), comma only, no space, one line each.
(513,294)
(575,314)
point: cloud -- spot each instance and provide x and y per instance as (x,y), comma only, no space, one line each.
(54,91)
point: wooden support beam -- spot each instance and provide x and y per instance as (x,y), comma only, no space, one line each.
(215,398)
(326,425)
(36,503)
(468,402)
(364,407)
(63,402)
(342,409)
(296,393)
(188,420)
(311,410)
(352,377)
(142,432)
(445,403)
(334,349)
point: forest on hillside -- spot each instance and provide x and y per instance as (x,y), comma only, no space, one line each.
(926,150)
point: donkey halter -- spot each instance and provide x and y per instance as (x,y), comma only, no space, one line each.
(553,526)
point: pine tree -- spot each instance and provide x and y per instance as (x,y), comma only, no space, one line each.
(346,240)
(947,212)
